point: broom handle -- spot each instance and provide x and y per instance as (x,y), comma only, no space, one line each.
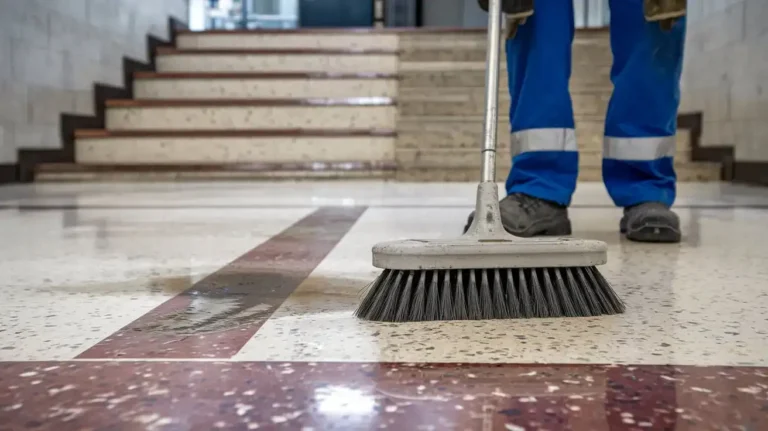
(491,91)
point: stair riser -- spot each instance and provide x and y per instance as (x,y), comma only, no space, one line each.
(594,47)
(583,105)
(373,63)
(355,41)
(477,94)
(471,159)
(479,39)
(594,144)
(263,88)
(597,77)
(457,136)
(582,54)
(233,150)
(215,176)
(690,173)
(240,118)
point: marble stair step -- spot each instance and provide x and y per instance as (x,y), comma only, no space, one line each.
(254,85)
(369,38)
(477,38)
(598,54)
(103,147)
(477,94)
(456,136)
(596,76)
(239,114)
(595,79)
(350,170)
(287,39)
(471,158)
(689,172)
(584,104)
(277,60)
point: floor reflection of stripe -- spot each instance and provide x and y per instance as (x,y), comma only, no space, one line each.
(219,314)
(360,396)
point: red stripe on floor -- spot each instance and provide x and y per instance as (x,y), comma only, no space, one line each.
(362,396)
(219,314)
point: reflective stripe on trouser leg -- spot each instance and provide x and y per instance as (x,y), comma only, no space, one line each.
(545,161)
(545,164)
(642,115)
(637,170)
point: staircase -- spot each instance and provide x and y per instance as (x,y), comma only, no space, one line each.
(324,104)
(262,106)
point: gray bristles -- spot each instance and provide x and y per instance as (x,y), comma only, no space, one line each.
(525,295)
(480,294)
(552,301)
(417,307)
(473,298)
(486,302)
(446,304)
(540,308)
(432,299)
(459,300)
(513,299)
(405,301)
(499,301)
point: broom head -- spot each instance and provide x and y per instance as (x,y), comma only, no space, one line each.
(488,274)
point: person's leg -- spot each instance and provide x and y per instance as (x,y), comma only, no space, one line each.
(641,124)
(545,159)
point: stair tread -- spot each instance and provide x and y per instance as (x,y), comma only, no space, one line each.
(363,30)
(167,50)
(215,167)
(257,133)
(312,102)
(263,75)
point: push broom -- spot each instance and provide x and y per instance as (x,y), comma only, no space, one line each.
(488,273)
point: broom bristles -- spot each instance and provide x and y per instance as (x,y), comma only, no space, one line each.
(482,294)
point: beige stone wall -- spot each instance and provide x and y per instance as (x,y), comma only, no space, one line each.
(726,74)
(53,51)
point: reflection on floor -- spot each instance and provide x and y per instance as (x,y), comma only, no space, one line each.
(229,305)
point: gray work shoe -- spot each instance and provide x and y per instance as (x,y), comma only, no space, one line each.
(650,222)
(526,216)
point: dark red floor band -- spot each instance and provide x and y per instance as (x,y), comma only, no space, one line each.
(219,314)
(98,395)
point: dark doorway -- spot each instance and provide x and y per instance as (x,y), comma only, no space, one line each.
(335,13)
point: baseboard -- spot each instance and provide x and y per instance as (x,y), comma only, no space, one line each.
(724,154)
(754,173)
(8,173)
(28,159)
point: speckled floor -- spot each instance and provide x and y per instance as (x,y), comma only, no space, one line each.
(159,300)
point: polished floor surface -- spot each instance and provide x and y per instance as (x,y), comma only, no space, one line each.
(229,306)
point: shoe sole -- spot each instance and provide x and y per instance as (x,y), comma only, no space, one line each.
(520,15)
(654,232)
(554,229)
(666,15)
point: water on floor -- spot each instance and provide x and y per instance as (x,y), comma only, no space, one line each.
(229,305)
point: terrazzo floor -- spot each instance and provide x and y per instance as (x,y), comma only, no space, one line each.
(229,306)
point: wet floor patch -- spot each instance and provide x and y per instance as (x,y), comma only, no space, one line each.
(220,313)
